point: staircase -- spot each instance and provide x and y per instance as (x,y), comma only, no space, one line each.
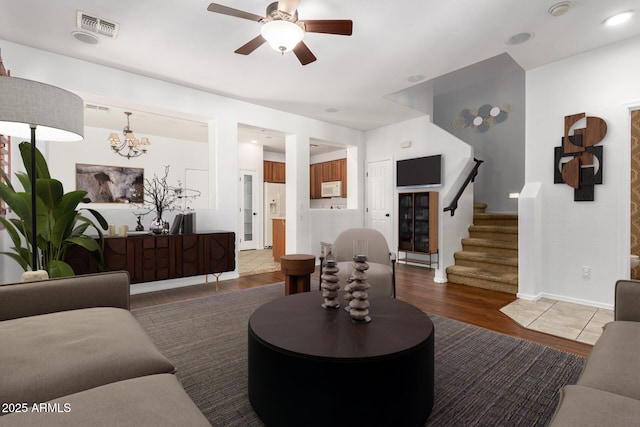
(489,257)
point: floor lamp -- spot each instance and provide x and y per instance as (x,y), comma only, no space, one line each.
(56,114)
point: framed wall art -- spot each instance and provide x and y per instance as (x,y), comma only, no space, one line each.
(111,184)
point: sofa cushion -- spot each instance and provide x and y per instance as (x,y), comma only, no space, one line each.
(108,289)
(155,400)
(52,355)
(613,363)
(584,406)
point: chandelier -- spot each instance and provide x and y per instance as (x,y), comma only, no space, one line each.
(131,146)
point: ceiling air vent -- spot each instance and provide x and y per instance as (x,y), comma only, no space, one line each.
(97,25)
(98,108)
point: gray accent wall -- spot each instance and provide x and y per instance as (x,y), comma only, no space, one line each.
(496,81)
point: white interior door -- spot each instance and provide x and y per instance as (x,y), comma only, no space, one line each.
(379,211)
(249,218)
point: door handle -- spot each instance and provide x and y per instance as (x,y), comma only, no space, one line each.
(387,215)
(255,213)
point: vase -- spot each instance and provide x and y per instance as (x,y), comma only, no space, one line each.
(157,225)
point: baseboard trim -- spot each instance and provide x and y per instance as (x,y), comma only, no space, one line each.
(161,285)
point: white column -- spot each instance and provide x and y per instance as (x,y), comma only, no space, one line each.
(298,202)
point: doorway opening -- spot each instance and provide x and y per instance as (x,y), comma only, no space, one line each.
(259,204)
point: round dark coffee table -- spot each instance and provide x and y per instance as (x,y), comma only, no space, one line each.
(309,366)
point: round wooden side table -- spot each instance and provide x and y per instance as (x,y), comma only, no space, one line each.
(297,269)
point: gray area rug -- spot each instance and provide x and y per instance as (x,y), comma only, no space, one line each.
(482,378)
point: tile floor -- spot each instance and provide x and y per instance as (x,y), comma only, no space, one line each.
(256,261)
(573,321)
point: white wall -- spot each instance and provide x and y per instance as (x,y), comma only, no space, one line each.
(222,115)
(327,157)
(274,157)
(428,139)
(596,234)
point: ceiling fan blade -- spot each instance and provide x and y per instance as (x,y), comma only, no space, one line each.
(252,45)
(225,10)
(342,27)
(304,54)
(288,6)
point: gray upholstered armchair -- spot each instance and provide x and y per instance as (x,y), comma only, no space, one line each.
(382,262)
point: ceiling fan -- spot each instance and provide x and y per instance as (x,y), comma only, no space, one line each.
(282,29)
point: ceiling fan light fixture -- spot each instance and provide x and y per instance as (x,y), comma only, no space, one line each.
(282,36)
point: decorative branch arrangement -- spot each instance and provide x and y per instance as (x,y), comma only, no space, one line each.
(159,196)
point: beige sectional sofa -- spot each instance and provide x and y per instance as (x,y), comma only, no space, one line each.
(608,390)
(71,354)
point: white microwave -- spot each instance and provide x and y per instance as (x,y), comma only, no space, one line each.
(332,189)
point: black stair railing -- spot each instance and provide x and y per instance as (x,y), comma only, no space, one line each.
(472,176)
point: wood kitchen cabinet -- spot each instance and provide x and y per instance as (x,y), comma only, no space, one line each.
(279,238)
(274,172)
(335,170)
(158,257)
(315,180)
(325,168)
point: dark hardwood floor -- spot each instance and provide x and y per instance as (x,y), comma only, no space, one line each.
(415,285)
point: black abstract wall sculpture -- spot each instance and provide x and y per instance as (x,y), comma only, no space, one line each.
(578,161)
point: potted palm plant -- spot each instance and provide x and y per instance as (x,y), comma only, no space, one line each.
(59,222)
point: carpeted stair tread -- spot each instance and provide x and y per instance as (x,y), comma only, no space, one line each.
(479,207)
(495,281)
(494,229)
(489,262)
(486,258)
(489,243)
(499,219)
(486,215)
(489,258)
(472,272)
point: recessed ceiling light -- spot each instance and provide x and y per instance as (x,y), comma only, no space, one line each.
(518,38)
(415,78)
(331,110)
(85,37)
(559,9)
(618,18)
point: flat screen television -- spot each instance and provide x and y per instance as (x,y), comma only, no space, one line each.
(419,172)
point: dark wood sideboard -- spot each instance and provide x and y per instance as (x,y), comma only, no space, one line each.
(158,257)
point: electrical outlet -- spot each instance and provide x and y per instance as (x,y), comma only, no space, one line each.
(586,272)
